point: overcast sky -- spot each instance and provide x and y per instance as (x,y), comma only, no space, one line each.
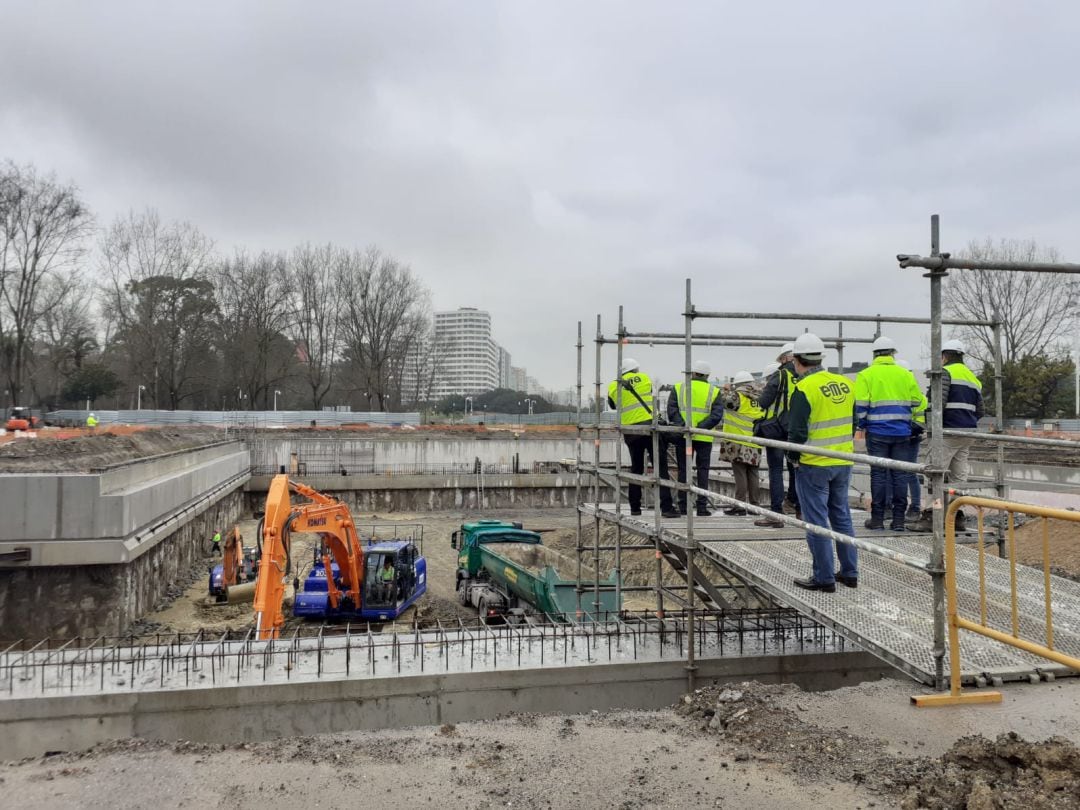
(549,161)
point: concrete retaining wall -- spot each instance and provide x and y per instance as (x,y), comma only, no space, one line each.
(32,726)
(92,600)
(423,493)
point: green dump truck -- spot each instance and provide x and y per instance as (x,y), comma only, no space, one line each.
(507,574)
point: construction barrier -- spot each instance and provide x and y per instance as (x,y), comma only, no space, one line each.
(956,622)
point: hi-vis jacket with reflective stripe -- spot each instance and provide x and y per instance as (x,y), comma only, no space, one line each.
(775,399)
(887,398)
(633,412)
(963,398)
(739,416)
(705,405)
(822,415)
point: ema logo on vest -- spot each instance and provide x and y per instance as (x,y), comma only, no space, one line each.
(835,391)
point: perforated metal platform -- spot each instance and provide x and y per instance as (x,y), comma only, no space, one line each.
(890,614)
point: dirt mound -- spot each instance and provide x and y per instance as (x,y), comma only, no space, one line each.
(975,774)
(979,774)
(100,450)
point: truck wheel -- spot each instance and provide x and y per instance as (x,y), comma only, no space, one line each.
(462,593)
(481,611)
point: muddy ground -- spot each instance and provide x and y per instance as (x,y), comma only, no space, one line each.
(741,745)
(100,449)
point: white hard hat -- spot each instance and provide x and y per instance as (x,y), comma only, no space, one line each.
(93,415)
(701,367)
(770,369)
(953,346)
(629,364)
(808,344)
(787,348)
(904,363)
(742,377)
(883,344)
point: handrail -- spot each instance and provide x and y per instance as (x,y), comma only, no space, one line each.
(956,622)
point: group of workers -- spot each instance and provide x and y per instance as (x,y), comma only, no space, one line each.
(803,403)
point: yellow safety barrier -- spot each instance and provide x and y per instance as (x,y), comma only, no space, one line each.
(958,623)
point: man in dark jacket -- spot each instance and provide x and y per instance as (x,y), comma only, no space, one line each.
(775,400)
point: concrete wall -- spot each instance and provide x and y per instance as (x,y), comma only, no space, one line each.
(91,600)
(32,726)
(270,453)
(113,516)
(422,493)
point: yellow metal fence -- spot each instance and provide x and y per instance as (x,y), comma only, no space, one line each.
(1043,647)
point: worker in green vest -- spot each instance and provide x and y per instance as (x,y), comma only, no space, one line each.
(386,579)
(740,412)
(822,415)
(704,409)
(635,405)
(216,540)
(91,421)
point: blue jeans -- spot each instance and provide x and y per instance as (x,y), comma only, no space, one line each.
(777,459)
(823,496)
(888,488)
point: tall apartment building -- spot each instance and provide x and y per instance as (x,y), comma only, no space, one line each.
(504,367)
(468,359)
(517,378)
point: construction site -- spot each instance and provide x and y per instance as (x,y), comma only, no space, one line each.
(264,607)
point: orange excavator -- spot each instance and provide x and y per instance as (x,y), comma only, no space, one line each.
(237,567)
(331,520)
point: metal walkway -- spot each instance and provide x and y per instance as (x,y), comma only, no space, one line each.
(890,614)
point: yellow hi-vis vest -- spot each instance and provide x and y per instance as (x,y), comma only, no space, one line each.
(741,422)
(702,396)
(832,407)
(633,412)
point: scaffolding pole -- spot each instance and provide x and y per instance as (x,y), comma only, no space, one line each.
(577,473)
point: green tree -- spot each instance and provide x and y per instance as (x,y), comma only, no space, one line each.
(501,400)
(1036,386)
(90,382)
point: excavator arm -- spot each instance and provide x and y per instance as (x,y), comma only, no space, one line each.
(327,517)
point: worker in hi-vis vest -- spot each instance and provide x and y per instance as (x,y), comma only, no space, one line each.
(822,415)
(707,410)
(636,401)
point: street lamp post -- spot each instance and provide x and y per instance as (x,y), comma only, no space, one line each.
(275,399)
(530,402)
(138,398)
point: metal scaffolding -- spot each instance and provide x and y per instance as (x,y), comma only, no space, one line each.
(681,547)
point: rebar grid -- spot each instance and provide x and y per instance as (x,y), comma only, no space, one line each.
(331,651)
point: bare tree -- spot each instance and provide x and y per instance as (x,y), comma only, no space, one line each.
(386,310)
(315,319)
(161,302)
(253,295)
(66,336)
(43,229)
(1036,309)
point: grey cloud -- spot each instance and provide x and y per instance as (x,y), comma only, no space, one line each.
(549,161)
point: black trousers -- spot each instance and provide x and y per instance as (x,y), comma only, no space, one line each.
(702,464)
(638,446)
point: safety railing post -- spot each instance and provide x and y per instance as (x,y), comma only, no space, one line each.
(596,455)
(657,447)
(618,469)
(937,458)
(577,471)
(688,447)
(999,419)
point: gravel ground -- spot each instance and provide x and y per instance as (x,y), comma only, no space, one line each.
(747,745)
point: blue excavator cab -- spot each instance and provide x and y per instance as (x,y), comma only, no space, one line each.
(388,590)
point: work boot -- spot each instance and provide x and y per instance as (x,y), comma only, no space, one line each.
(770,523)
(961,522)
(671,512)
(735,511)
(874,523)
(703,511)
(925,523)
(898,525)
(912,515)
